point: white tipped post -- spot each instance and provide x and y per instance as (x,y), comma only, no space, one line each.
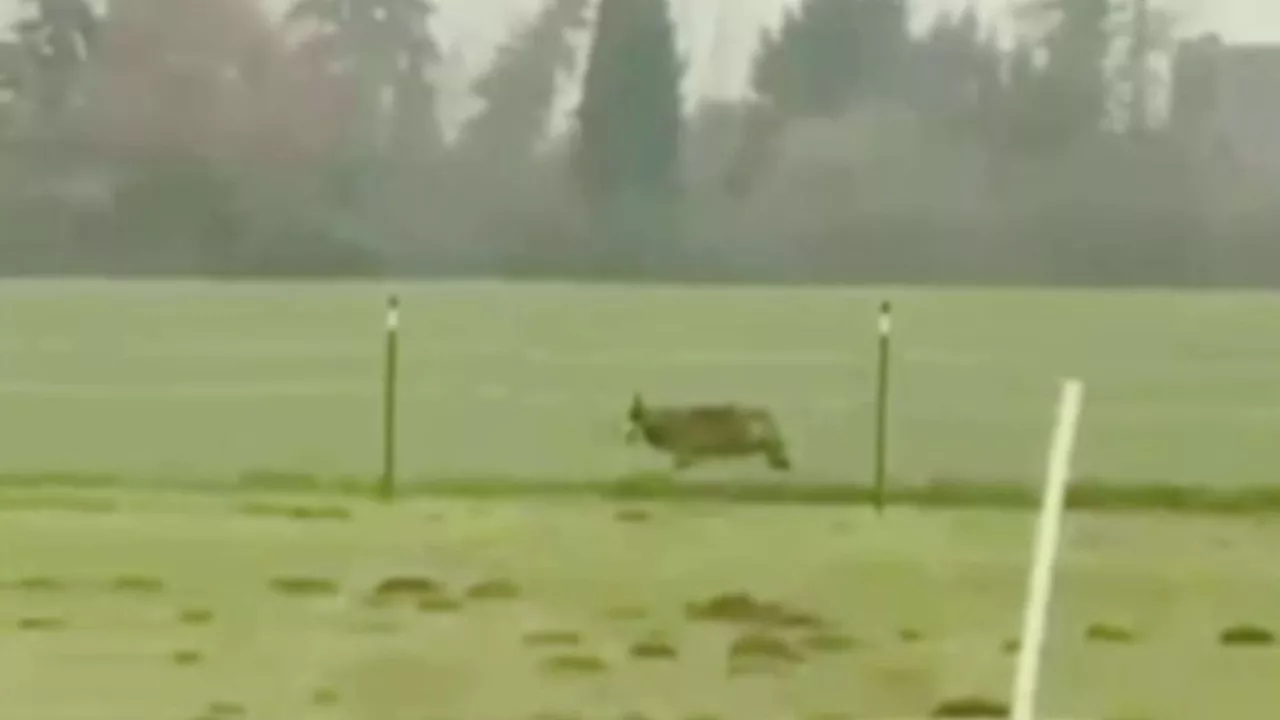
(880,449)
(387,485)
(393,314)
(1035,611)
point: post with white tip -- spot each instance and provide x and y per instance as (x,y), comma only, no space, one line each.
(1044,552)
(880,449)
(387,486)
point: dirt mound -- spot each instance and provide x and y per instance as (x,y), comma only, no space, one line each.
(138,584)
(627,613)
(304,586)
(763,646)
(574,664)
(742,607)
(971,706)
(37,583)
(408,588)
(495,589)
(1246,635)
(226,709)
(186,658)
(910,635)
(633,515)
(653,648)
(42,624)
(552,638)
(1110,633)
(827,642)
(195,616)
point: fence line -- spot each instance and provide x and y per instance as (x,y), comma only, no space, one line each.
(494,393)
(854,357)
(996,409)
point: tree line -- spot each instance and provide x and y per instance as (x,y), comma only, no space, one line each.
(201,137)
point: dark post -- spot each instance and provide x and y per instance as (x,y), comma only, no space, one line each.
(884,330)
(387,487)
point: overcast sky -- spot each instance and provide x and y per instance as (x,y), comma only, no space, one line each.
(718,36)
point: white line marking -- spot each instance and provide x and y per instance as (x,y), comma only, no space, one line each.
(1044,553)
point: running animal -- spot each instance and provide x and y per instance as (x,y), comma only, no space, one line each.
(691,434)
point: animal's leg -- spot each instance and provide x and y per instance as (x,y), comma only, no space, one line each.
(769,442)
(775,454)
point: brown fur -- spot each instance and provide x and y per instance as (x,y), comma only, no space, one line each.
(701,432)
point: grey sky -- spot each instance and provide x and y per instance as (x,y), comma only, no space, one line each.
(718,36)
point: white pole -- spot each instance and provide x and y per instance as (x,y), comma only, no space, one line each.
(1035,611)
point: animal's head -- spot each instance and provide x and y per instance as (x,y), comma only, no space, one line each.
(635,418)
(636,412)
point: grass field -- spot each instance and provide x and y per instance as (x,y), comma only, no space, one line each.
(189,380)
(152,605)
(172,607)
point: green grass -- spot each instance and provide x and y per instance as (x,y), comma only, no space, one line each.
(915,610)
(191,382)
(242,419)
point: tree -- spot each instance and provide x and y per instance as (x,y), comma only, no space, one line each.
(176,98)
(1150,30)
(385,51)
(519,87)
(825,55)
(1076,37)
(958,73)
(13,78)
(1194,87)
(807,66)
(57,38)
(180,77)
(1023,112)
(416,134)
(626,155)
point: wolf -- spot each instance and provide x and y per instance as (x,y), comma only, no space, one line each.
(691,434)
